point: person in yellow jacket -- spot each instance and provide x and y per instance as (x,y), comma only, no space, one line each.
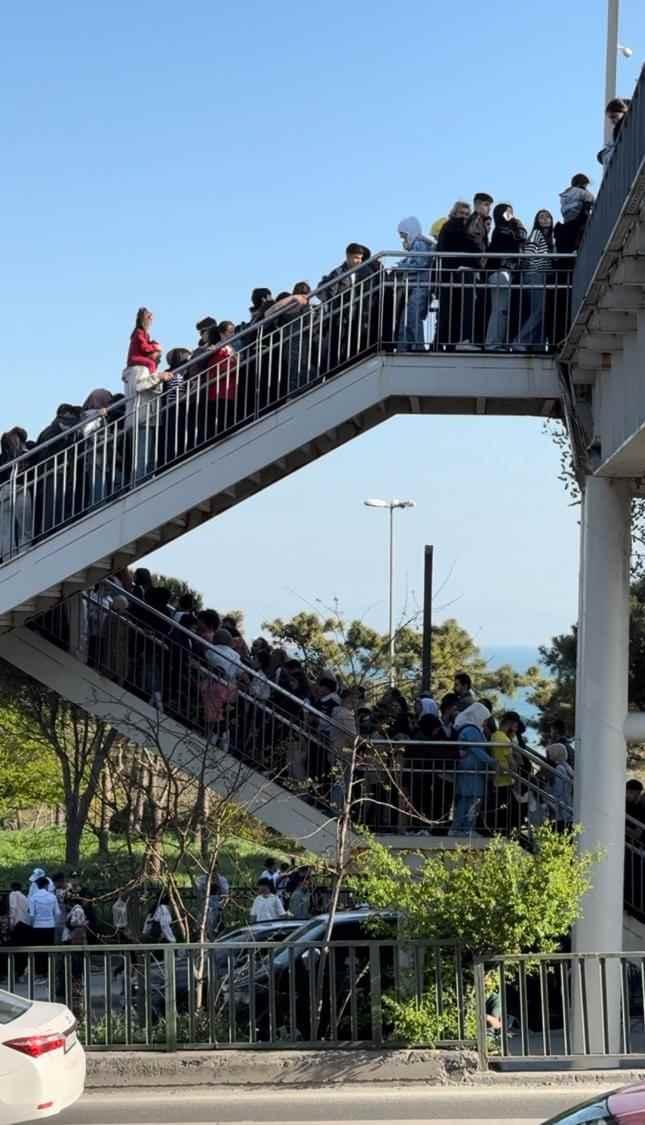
(501,749)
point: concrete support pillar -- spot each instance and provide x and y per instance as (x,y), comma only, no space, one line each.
(603,655)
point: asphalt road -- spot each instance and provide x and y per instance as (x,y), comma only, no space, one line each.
(416,1105)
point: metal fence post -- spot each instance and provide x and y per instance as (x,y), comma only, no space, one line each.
(171,997)
(480,1001)
(375,994)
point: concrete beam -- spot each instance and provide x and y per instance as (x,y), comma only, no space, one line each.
(621,323)
(622,300)
(603,342)
(629,271)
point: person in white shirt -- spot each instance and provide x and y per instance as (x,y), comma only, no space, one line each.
(159,921)
(38,873)
(224,657)
(18,908)
(19,926)
(267,906)
(44,914)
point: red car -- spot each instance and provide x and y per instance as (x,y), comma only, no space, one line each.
(621,1107)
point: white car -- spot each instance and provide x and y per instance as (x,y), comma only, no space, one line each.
(42,1063)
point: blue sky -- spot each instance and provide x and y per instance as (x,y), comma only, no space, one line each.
(178,155)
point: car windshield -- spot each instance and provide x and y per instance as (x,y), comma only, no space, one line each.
(591,1113)
(311,931)
(12,1006)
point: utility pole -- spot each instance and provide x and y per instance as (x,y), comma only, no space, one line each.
(426,666)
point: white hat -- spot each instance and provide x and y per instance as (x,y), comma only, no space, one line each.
(36,874)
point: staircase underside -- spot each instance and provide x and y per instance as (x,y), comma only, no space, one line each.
(304,429)
(180,748)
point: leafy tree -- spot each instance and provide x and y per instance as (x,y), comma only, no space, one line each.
(503,899)
(555,698)
(29,773)
(360,654)
(79,742)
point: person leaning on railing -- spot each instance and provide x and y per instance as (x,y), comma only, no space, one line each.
(616,112)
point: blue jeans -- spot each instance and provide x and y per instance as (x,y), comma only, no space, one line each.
(412,319)
(500,297)
(465,814)
(532,331)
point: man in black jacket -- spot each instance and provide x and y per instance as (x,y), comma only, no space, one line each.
(453,239)
(347,296)
(464,232)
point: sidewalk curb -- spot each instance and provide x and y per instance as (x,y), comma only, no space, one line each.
(132,1069)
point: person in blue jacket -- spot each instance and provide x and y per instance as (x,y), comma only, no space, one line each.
(414,287)
(473,769)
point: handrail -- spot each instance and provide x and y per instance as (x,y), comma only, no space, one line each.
(203,643)
(249,329)
(626,163)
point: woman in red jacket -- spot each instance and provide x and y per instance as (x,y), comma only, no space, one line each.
(223,372)
(143,386)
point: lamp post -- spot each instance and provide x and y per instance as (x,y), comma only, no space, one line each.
(613,49)
(390,506)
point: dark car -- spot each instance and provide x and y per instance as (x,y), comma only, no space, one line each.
(225,955)
(625,1106)
(297,993)
(275,932)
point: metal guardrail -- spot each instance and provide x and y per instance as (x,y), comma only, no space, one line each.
(399,787)
(561,1006)
(516,1009)
(626,164)
(169,997)
(446,302)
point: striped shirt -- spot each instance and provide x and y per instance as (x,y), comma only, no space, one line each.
(537,253)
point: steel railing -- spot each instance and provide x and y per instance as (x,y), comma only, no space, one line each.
(446,302)
(516,1008)
(298,993)
(561,1006)
(398,787)
(626,164)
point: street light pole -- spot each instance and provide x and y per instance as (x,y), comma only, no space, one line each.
(611,61)
(391,506)
(391,584)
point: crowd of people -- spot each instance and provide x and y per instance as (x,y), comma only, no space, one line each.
(440,765)
(47,911)
(480,278)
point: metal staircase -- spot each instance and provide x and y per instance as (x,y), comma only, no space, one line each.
(295,387)
(286,761)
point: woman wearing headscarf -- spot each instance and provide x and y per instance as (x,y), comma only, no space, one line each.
(509,237)
(412,278)
(473,768)
(16,507)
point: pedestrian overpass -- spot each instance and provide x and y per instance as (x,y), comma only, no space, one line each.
(77,512)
